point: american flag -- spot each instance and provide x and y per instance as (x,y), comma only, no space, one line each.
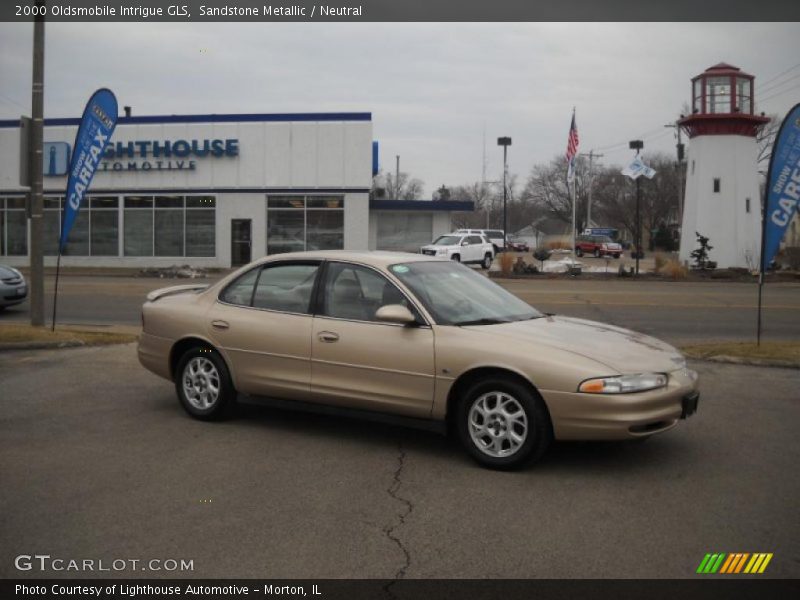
(572,148)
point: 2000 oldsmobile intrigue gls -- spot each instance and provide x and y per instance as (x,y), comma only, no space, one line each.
(414,336)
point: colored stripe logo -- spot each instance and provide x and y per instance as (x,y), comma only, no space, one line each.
(734,563)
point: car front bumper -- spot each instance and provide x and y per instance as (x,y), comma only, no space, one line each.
(11,294)
(578,416)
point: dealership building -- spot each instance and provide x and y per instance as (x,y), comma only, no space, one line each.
(216,191)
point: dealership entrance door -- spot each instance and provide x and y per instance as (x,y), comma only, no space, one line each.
(241,241)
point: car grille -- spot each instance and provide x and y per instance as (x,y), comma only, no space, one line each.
(429,252)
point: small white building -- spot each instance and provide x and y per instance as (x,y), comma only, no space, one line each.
(215,191)
(722,191)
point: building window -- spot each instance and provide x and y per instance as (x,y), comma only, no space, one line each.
(95,231)
(716,185)
(747,205)
(743,95)
(692,167)
(404,231)
(13,227)
(718,95)
(297,223)
(170,226)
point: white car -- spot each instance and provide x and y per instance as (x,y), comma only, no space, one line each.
(462,248)
(493,235)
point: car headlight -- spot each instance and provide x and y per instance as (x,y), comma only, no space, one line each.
(623,384)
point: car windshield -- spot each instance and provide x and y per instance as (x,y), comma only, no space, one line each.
(454,294)
(447,240)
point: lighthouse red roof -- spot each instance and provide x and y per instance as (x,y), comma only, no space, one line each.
(725,68)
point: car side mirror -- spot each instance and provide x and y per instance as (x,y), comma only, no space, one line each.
(395,313)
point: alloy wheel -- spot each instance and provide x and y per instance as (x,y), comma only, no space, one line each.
(201,383)
(498,425)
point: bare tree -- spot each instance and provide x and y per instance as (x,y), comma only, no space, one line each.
(765,139)
(403,187)
(547,190)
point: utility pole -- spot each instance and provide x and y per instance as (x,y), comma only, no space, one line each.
(679,148)
(397,177)
(484,200)
(591,156)
(35,209)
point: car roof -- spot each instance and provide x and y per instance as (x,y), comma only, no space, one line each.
(376,258)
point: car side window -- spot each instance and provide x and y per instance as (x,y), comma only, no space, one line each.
(287,288)
(475,239)
(241,290)
(356,293)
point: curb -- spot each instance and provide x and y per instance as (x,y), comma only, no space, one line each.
(750,362)
(11,346)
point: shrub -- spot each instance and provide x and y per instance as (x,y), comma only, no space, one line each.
(506,263)
(674,269)
(660,262)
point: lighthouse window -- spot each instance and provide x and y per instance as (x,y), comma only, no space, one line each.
(718,94)
(747,205)
(743,94)
(716,185)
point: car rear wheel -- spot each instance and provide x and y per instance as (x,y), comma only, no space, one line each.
(596,253)
(204,385)
(616,256)
(503,424)
(578,252)
(487,261)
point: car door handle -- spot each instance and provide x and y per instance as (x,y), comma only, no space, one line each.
(328,337)
(219,324)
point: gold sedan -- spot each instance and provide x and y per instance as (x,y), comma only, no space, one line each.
(413,336)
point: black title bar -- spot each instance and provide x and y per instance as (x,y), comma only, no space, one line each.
(400,10)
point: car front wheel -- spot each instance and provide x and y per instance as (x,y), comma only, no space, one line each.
(204,385)
(596,253)
(578,252)
(456,257)
(503,424)
(487,261)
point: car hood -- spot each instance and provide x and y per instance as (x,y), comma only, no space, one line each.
(6,272)
(620,349)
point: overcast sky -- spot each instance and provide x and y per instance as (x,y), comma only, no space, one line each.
(432,89)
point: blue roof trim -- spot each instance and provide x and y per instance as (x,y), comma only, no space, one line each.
(212,118)
(436,205)
(195,190)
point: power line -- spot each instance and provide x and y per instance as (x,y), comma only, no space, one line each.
(771,96)
(781,74)
(779,84)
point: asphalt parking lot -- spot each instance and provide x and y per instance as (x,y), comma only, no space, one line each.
(99,461)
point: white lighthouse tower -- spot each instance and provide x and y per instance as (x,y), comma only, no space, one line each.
(722,200)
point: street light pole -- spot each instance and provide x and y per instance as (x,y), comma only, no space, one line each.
(638,145)
(505,142)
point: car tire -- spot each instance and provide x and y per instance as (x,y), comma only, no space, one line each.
(204,385)
(485,430)
(616,256)
(578,252)
(487,261)
(596,253)
(456,257)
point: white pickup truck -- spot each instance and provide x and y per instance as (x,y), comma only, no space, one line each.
(463,248)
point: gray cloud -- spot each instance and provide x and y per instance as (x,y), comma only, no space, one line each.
(432,88)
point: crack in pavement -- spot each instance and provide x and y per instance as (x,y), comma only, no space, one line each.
(389,531)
